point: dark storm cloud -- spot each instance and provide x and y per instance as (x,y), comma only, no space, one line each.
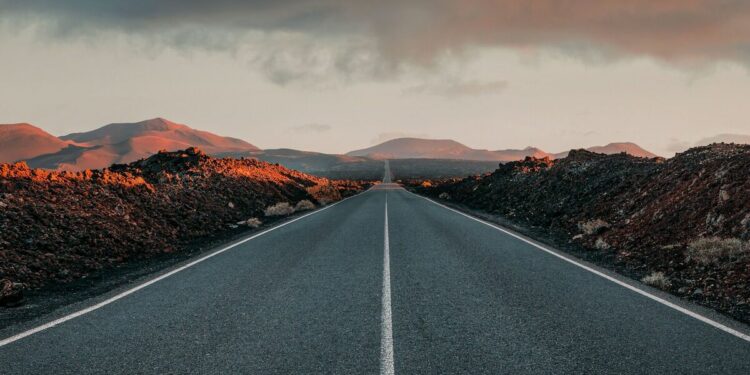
(420,30)
(150,14)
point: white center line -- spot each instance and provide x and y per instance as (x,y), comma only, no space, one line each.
(386,325)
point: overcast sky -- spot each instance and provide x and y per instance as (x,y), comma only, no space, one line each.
(335,75)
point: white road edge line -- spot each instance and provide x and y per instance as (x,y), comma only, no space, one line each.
(157,279)
(644,293)
(386,322)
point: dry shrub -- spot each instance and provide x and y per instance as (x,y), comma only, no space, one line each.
(304,205)
(592,226)
(709,250)
(253,222)
(279,209)
(600,244)
(657,280)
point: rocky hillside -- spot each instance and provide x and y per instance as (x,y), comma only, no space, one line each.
(681,224)
(60,226)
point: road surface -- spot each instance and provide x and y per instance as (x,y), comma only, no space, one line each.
(384,282)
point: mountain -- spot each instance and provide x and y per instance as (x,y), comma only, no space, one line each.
(629,148)
(120,143)
(513,155)
(23,141)
(125,142)
(417,148)
(410,148)
(159,132)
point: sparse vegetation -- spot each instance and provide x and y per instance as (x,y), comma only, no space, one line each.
(600,244)
(657,280)
(304,205)
(593,226)
(253,222)
(279,209)
(709,250)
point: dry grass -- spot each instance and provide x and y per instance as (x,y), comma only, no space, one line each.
(710,250)
(593,226)
(253,222)
(304,205)
(279,209)
(657,280)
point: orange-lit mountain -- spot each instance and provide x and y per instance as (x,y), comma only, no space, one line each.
(616,148)
(126,142)
(416,148)
(23,141)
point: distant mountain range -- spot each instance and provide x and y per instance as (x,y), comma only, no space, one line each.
(126,142)
(416,148)
(111,144)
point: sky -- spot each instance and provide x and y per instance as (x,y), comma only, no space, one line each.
(334,75)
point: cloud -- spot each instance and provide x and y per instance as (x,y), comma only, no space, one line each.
(454,89)
(387,136)
(312,128)
(419,31)
(292,58)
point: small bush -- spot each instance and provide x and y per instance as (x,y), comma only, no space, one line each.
(592,226)
(444,196)
(600,244)
(710,250)
(657,280)
(253,222)
(304,205)
(279,209)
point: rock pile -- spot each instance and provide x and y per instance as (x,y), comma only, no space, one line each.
(60,226)
(640,214)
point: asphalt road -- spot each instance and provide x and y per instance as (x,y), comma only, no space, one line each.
(345,291)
